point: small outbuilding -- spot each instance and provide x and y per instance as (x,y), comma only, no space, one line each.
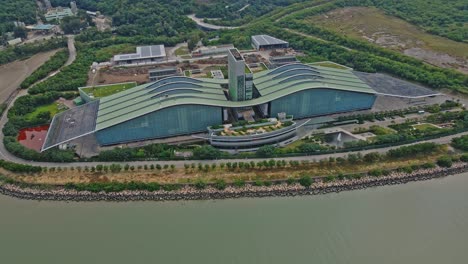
(266,42)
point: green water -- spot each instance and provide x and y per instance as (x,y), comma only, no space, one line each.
(424,222)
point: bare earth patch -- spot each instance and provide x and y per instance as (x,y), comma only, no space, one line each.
(374,26)
(12,74)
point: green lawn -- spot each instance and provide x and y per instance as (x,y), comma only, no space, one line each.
(424,127)
(330,65)
(293,145)
(53,108)
(106,90)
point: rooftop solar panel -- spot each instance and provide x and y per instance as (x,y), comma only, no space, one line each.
(267,40)
(143,52)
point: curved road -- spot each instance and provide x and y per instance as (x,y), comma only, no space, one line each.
(202,24)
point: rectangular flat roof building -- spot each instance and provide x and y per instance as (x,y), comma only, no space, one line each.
(58,13)
(143,55)
(41,27)
(265,42)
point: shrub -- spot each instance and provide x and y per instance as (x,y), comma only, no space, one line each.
(220,184)
(305,180)
(258,183)
(428,165)
(375,172)
(464,157)
(239,183)
(21,168)
(200,184)
(290,181)
(207,152)
(445,161)
(329,178)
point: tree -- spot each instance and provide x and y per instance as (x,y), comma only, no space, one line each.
(192,41)
(207,152)
(372,157)
(266,151)
(71,25)
(20,32)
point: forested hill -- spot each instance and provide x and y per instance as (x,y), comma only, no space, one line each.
(142,17)
(239,12)
(16,10)
(440,17)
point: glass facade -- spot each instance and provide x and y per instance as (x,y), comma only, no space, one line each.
(315,102)
(173,121)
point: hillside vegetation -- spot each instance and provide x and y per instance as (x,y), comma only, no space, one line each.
(142,17)
(372,25)
(319,43)
(440,17)
(16,10)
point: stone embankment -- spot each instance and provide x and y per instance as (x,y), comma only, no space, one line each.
(191,193)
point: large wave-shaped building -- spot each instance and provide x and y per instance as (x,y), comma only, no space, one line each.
(182,105)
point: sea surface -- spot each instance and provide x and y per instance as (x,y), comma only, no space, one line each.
(423,222)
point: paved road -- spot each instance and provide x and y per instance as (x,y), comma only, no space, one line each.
(71,49)
(4,154)
(202,24)
(180,163)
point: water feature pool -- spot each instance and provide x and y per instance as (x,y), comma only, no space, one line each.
(33,137)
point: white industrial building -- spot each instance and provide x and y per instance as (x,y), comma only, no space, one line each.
(265,42)
(144,55)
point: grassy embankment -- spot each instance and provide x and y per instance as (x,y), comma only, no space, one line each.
(208,173)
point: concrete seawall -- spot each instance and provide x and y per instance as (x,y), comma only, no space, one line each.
(209,193)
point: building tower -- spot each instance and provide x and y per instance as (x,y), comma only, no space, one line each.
(74,8)
(240,77)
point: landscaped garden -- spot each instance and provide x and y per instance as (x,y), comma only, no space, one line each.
(253,128)
(106,90)
(50,110)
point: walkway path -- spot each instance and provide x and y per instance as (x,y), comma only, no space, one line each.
(71,50)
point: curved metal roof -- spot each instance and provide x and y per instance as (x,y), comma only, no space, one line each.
(172,91)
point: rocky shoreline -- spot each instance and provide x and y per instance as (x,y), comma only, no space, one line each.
(210,193)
